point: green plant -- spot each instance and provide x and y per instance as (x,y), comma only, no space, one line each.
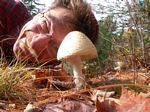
(33,6)
(104,47)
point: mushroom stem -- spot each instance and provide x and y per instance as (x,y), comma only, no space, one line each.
(77,71)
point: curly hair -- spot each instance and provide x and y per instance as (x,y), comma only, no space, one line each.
(84,19)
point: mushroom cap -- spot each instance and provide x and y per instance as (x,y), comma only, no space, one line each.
(76,44)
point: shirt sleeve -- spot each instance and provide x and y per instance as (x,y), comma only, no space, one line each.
(16,17)
(1,27)
(13,15)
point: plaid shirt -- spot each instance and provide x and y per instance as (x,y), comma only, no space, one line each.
(13,15)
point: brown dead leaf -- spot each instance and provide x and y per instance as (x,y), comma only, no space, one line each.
(43,78)
(66,106)
(58,74)
(128,102)
(133,102)
(108,105)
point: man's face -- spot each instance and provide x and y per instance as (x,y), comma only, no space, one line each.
(41,37)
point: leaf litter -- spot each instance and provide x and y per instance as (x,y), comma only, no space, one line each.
(53,91)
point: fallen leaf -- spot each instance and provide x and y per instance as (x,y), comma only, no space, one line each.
(44,78)
(66,106)
(133,102)
(101,94)
(128,102)
(58,74)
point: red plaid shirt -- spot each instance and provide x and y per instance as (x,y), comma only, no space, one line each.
(13,15)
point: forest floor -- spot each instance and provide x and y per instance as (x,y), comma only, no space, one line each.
(45,93)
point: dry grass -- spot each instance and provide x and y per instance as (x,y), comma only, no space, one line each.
(12,77)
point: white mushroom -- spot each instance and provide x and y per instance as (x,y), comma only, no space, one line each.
(75,47)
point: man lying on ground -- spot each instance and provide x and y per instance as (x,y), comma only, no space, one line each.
(41,37)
